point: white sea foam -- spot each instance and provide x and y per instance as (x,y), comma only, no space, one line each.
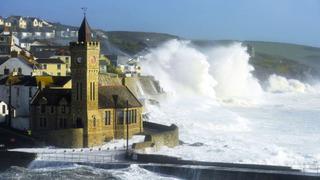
(260,127)
(282,84)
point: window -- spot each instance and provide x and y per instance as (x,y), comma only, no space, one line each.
(3,109)
(6,71)
(94,122)
(43,108)
(19,70)
(107,118)
(81,91)
(63,109)
(128,117)
(58,66)
(94,92)
(79,123)
(77,85)
(18,91)
(30,92)
(120,116)
(63,123)
(43,122)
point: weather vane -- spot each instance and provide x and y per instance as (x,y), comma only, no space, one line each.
(84,9)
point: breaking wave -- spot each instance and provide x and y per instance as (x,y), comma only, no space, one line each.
(260,126)
(281,84)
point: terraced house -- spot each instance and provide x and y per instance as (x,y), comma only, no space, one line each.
(89,113)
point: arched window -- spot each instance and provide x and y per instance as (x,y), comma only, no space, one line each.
(19,70)
(79,123)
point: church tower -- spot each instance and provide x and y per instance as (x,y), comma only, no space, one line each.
(85,55)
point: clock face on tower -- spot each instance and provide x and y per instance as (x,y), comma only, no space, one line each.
(79,60)
(93,59)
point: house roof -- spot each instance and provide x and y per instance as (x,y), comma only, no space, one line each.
(49,61)
(106,100)
(3,59)
(106,93)
(84,33)
(52,96)
(53,81)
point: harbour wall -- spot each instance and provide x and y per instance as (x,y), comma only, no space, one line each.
(158,135)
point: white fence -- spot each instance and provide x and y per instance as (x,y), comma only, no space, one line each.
(92,157)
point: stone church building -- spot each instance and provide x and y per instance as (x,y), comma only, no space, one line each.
(89,113)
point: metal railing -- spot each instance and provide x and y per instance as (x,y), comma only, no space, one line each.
(92,157)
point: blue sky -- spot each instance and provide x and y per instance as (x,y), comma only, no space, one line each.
(293,21)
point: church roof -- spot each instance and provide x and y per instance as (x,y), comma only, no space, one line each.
(122,92)
(84,34)
(54,81)
(52,96)
(50,61)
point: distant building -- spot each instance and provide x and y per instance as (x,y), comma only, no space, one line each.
(53,67)
(7,24)
(88,114)
(18,66)
(64,58)
(17,21)
(4,112)
(34,22)
(1,21)
(10,45)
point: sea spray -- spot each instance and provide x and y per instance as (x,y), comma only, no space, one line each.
(281,130)
(281,84)
(229,66)
(181,69)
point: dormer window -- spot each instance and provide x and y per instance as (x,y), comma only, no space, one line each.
(43,108)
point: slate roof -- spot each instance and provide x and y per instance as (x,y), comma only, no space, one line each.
(84,33)
(56,81)
(49,61)
(106,93)
(123,93)
(53,96)
(3,59)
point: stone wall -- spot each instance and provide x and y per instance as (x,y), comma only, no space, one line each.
(69,138)
(158,135)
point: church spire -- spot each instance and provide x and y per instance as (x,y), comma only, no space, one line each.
(84,34)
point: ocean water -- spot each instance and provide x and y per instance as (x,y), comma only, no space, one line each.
(80,172)
(225,114)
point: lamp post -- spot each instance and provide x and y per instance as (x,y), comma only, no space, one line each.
(127,104)
(115,101)
(9,105)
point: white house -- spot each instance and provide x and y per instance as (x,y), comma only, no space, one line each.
(18,65)
(1,21)
(4,112)
(25,35)
(49,34)
(7,24)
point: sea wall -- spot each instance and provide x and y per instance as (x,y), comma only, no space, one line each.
(10,158)
(158,135)
(68,138)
